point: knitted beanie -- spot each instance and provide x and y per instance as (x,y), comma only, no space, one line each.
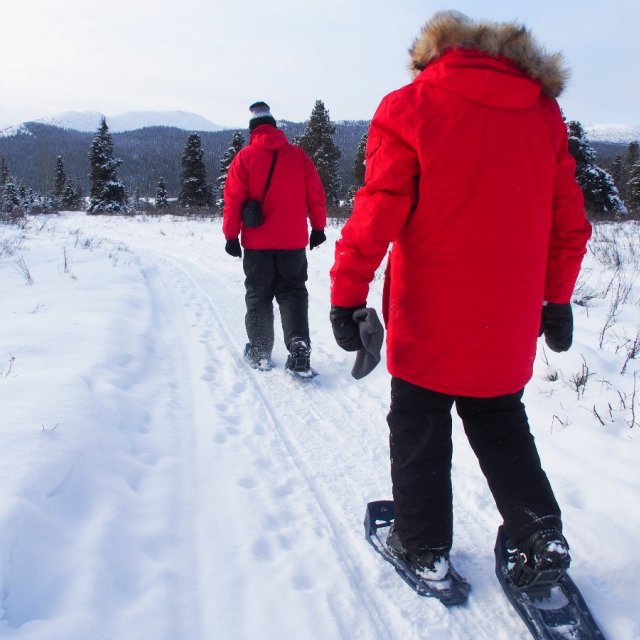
(260,114)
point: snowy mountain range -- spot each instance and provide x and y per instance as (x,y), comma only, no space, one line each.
(89,121)
(624,133)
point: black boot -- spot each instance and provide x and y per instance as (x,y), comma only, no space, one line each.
(255,359)
(429,564)
(299,359)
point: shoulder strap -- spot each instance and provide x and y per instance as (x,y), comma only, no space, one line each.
(271,168)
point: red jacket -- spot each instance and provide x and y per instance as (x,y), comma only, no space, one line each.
(468,174)
(295,190)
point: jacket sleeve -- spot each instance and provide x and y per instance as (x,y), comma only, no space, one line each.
(570,229)
(236,192)
(316,200)
(381,207)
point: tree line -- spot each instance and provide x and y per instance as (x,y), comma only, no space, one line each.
(608,193)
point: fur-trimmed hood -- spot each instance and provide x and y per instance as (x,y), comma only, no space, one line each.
(454,30)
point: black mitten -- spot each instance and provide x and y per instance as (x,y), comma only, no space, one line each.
(316,239)
(346,330)
(557,326)
(233,248)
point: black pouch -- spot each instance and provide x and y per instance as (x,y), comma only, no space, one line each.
(251,211)
(252,214)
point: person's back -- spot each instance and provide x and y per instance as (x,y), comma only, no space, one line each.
(486,145)
(295,190)
(468,173)
(282,181)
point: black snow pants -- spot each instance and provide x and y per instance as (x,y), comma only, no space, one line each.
(280,274)
(421,448)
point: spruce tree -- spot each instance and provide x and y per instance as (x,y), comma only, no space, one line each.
(9,196)
(630,159)
(237,142)
(4,172)
(107,192)
(193,178)
(161,200)
(71,199)
(317,142)
(600,193)
(617,173)
(633,187)
(135,200)
(358,164)
(60,180)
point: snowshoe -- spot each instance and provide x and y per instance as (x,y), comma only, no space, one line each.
(430,574)
(534,577)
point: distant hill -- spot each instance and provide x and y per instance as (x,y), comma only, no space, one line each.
(147,153)
(621,133)
(89,121)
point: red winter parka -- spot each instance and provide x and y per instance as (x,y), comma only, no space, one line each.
(294,192)
(468,174)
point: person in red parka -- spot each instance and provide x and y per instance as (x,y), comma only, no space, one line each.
(468,174)
(284,180)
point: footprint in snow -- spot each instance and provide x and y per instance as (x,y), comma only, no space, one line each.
(247,482)
(262,549)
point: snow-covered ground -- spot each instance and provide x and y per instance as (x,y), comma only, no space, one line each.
(155,487)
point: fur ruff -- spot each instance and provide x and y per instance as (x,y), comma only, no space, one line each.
(452,30)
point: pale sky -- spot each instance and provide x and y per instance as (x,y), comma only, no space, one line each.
(215,57)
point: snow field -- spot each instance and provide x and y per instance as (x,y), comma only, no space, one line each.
(156,487)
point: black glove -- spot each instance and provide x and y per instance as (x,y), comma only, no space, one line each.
(233,248)
(316,239)
(557,326)
(346,330)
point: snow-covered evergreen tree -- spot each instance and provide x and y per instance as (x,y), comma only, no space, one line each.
(9,196)
(194,191)
(359,162)
(71,196)
(60,180)
(237,142)
(317,142)
(629,161)
(617,173)
(600,193)
(633,187)
(135,199)
(161,200)
(107,192)
(4,172)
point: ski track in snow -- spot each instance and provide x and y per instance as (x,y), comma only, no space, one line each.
(235,506)
(302,418)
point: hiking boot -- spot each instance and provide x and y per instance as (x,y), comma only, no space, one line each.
(429,564)
(299,358)
(542,558)
(255,359)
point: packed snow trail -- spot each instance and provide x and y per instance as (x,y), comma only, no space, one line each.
(185,495)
